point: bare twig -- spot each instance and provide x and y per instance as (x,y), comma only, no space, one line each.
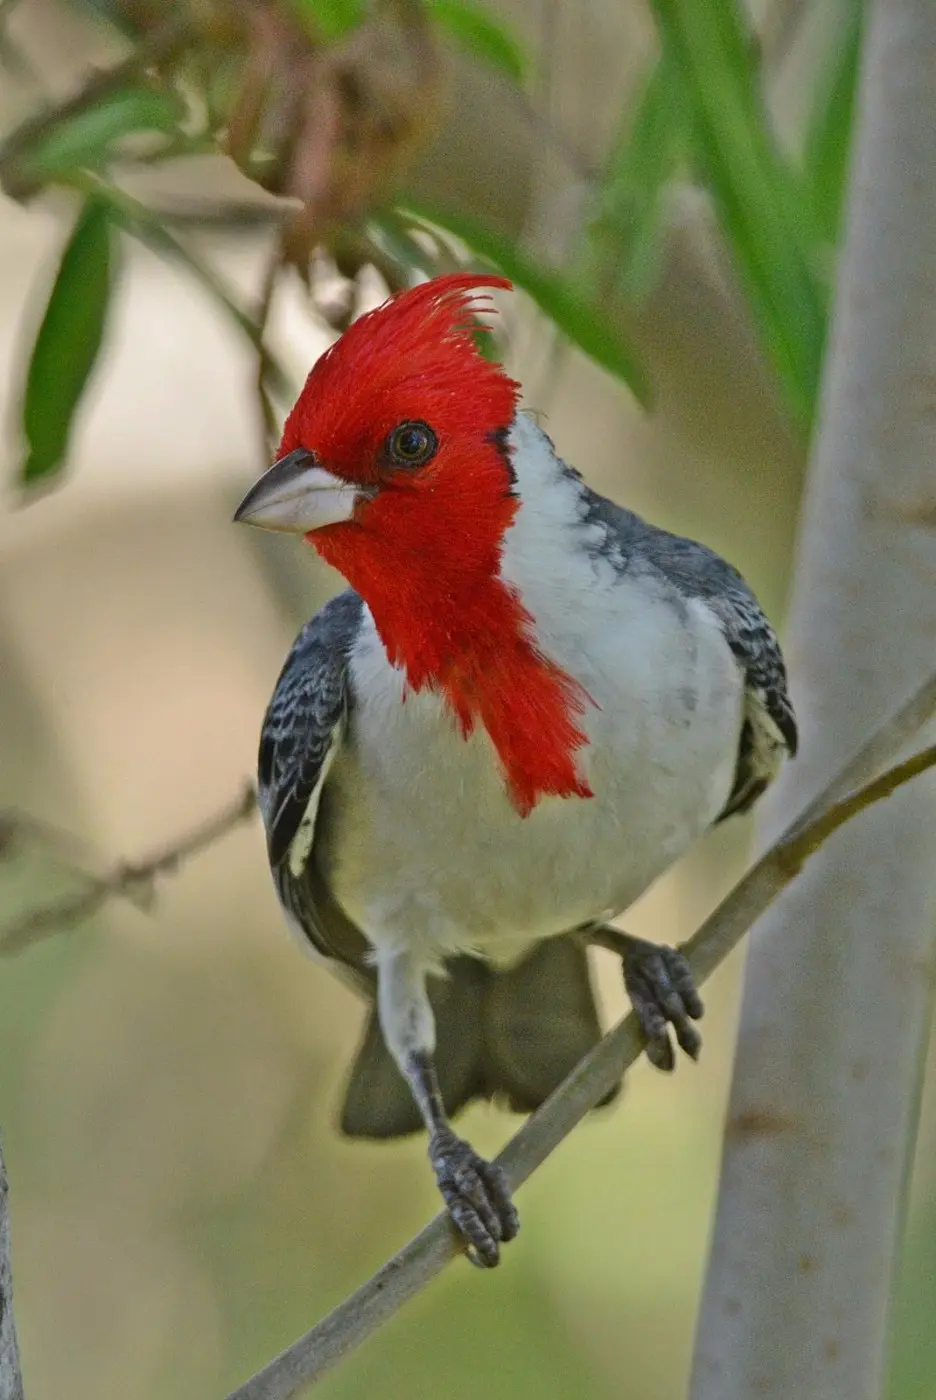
(69,849)
(127,881)
(854,788)
(803,846)
(266,412)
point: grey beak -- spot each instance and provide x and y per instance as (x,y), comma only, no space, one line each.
(297,496)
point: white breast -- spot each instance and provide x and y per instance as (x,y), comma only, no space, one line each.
(422,845)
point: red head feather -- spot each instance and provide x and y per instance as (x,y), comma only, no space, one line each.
(415,357)
(424,546)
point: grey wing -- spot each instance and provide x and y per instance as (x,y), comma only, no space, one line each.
(302,731)
(768,729)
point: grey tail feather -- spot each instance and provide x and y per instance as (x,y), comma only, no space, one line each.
(509,1035)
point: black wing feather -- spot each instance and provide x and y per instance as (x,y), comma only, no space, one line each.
(304,720)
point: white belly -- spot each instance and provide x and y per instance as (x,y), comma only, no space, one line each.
(421,844)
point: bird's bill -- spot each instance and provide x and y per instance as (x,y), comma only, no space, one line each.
(296,496)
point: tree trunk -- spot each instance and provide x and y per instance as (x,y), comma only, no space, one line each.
(837,998)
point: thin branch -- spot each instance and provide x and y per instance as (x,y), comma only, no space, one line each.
(266,412)
(71,850)
(855,787)
(128,881)
(803,846)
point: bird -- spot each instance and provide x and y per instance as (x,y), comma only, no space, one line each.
(525,705)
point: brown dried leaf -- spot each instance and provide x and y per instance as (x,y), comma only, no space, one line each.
(338,121)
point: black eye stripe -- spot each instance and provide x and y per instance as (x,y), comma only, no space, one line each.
(411,444)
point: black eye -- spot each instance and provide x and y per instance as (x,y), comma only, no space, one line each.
(412,445)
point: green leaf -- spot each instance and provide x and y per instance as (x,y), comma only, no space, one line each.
(474,28)
(623,239)
(87,139)
(392,233)
(330,20)
(757,196)
(553,293)
(68,341)
(828,138)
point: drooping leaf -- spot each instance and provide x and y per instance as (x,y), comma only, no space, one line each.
(330,20)
(828,137)
(87,139)
(394,233)
(624,235)
(476,30)
(556,295)
(757,196)
(68,341)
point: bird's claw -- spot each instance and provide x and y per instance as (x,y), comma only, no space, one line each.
(663,994)
(477,1197)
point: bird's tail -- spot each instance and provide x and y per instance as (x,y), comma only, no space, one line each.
(508,1035)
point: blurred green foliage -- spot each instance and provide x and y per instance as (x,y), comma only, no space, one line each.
(754,187)
(476,30)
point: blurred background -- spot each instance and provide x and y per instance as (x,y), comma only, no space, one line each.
(182,1204)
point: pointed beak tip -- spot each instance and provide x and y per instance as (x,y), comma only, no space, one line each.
(250,510)
(261,516)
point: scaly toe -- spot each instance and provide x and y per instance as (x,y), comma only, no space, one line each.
(663,994)
(477,1197)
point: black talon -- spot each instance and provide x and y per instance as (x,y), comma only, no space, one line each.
(681,978)
(476,1195)
(662,992)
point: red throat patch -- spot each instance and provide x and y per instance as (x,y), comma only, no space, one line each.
(450,621)
(531,710)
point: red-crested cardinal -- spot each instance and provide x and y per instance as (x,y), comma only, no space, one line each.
(528,703)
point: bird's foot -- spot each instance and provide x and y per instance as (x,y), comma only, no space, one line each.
(477,1197)
(663,994)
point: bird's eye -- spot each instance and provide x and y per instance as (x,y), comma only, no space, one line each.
(412,445)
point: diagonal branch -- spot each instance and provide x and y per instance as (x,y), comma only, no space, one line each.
(125,880)
(855,787)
